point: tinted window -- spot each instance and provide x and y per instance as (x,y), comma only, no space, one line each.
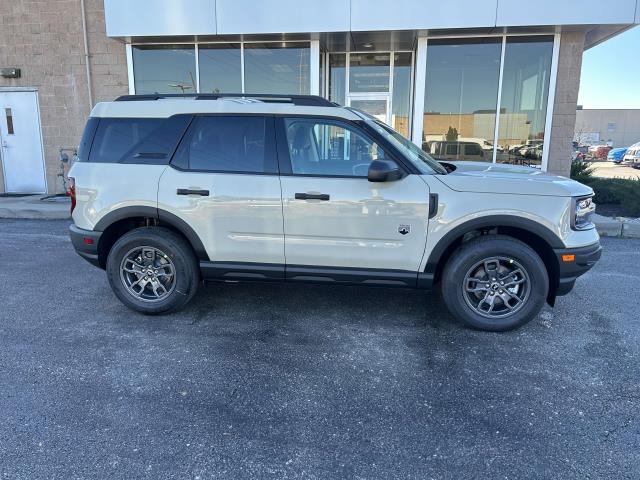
(326,147)
(164,68)
(137,140)
(472,149)
(280,68)
(115,137)
(461,94)
(220,68)
(227,144)
(452,149)
(87,138)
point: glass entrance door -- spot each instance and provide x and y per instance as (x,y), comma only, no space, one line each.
(376,105)
(378,83)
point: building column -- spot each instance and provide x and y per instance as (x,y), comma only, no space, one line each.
(565,103)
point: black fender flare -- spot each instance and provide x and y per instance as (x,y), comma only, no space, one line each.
(163,217)
(485,222)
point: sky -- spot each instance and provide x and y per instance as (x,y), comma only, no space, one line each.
(611,73)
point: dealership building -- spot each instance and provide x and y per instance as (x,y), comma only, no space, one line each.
(483,80)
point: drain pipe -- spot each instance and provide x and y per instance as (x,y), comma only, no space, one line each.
(86,54)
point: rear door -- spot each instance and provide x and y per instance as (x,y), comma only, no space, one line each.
(223,182)
(335,217)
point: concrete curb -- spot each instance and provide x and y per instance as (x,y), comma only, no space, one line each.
(620,227)
(39,207)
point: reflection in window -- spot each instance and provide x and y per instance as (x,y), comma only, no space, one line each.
(164,68)
(280,68)
(369,72)
(400,110)
(337,77)
(461,98)
(220,68)
(326,147)
(523,106)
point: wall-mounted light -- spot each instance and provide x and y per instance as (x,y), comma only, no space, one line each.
(10,72)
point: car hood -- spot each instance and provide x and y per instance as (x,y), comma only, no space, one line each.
(484,177)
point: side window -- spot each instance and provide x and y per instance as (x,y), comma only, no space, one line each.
(328,147)
(473,149)
(233,144)
(133,140)
(452,149)
(115,136)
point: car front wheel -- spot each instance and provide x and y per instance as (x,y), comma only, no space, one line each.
(495,283)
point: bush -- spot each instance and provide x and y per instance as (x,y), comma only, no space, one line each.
(617,191)
(580,169)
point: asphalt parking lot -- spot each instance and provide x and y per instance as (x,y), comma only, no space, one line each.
(280,381)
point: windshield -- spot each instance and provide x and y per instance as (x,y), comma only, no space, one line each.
(422,160)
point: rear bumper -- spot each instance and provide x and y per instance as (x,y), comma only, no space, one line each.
(86,243)
(584,258)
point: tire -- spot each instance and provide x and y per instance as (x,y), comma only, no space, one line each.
(174,276)
(486,304)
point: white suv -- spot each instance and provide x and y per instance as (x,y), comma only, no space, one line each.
(171,190)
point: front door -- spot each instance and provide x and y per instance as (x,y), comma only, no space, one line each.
(335,217)
(21,142)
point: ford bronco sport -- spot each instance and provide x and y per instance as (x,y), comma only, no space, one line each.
(170,190)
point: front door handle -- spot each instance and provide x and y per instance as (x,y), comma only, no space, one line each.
(312,196)
(188,191)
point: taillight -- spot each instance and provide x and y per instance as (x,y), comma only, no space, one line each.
(71,192)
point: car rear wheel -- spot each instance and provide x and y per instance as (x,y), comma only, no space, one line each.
(153,270)
(495,283)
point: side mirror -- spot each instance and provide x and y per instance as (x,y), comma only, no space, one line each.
(384,171)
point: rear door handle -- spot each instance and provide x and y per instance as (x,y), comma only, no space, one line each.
(312,196)
(188,191)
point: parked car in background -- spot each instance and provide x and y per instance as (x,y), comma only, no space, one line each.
(616,155)
(458,151)
(598,152)
(632,155)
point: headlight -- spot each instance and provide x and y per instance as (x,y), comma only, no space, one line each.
(583,209)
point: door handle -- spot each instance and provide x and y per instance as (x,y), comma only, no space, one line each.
(312,196)
(188,191)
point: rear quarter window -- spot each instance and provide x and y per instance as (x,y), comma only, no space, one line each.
(137,140)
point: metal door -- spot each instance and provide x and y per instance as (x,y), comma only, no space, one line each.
(21,142)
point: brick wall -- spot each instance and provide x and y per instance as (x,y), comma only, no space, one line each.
(44,39)
(566,100)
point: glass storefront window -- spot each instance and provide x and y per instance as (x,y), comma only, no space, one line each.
(337,77)
(279,68)
(164,68)
(369,72)
(523,106)
(401,98)
(461,98)
(220,68)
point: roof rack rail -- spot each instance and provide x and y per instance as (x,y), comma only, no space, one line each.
(303,100)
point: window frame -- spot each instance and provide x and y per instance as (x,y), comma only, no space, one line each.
(284,156)
(269,145)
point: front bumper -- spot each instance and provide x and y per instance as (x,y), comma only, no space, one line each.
(86,243)
(569,270)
